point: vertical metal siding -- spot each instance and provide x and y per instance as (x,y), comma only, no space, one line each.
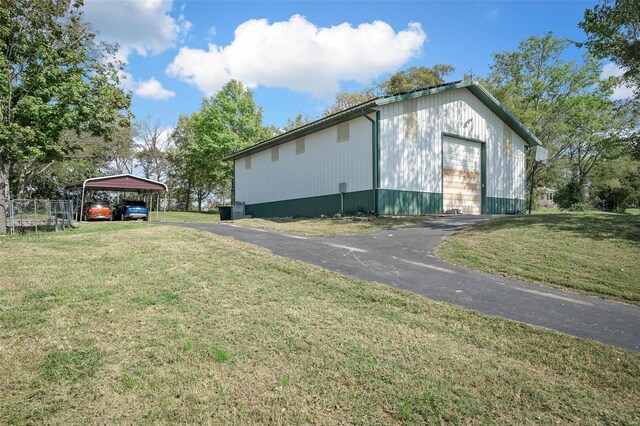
(324,164)
(417,165)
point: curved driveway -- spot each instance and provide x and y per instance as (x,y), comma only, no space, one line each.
(403,258)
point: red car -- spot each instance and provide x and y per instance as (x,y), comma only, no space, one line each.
(97,210)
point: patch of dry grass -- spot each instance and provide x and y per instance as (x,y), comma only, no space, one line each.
(593,253)
(191,217)
(330,226)
(144,324)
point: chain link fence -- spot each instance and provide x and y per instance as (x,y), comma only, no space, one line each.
(24,216)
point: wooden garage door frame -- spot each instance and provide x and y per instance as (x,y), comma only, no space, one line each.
(483,169)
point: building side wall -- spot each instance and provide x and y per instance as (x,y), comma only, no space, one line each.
(416,165)
(315,173)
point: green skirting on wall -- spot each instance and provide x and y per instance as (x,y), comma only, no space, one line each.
(390,202)
(394,202)
(503,205)
(313,206)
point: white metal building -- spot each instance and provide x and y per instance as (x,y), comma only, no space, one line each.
(452,146)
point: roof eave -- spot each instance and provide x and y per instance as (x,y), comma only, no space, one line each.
(498,109)
(307,129)
(366,108)
(420,93)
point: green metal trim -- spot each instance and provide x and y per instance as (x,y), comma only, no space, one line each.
(498,109)
(483,178)
(408,203)
(497,205)
(374,137)
(464,138)
(359,201)
(419,93)
(377,164)
(313,206)
(442,172)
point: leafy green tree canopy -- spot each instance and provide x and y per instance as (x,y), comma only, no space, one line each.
(564,103)
(415,78)
(55,76)
(613,30)
(227,121)
(412,78)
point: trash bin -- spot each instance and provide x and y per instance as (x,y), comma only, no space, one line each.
(225,212)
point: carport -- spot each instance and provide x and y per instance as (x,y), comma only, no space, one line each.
(118,183)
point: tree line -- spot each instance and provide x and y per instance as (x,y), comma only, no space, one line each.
(65,117)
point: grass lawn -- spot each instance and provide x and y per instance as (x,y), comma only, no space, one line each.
(329,226)
(174,216)
(594,253)
(145,324)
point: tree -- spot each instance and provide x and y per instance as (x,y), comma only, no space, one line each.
(187,174)
(415,78)
(599,127)
(407,80)
(54,77)
(538,85)
(227,121)
(122,150)
(345,100)
(615,183)
(152,153)
(567,106)
(298,121)
(613,31)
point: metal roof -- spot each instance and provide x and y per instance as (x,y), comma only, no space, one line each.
(125,182)
(369,106)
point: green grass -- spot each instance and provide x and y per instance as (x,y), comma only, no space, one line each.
(593,253)
(135,323)
(330,226)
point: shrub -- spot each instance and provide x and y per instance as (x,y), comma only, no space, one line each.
(570,194)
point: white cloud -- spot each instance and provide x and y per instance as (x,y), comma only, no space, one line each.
(621,91)
(143,26)
(298,55)
(153,89)
(126,81)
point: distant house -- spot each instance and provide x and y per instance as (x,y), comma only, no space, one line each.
(546,197)
(452,146)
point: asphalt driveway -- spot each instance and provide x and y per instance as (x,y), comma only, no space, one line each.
(403,258)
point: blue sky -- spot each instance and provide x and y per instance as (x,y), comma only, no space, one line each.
(295,55)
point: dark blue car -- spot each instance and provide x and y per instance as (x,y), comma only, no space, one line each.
(131,210)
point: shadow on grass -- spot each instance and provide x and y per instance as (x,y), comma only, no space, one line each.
(596,226)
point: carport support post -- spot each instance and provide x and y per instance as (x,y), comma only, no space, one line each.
(164,208)
(81,204)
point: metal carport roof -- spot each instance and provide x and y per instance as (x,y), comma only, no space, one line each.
(125,183)
(118,183)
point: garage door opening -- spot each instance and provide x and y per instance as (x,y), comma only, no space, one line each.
(461,175)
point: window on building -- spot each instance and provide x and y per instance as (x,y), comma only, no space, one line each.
(411,119)
(507,141)
(275,153)
(300,146)
(343,132)
(247,163)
